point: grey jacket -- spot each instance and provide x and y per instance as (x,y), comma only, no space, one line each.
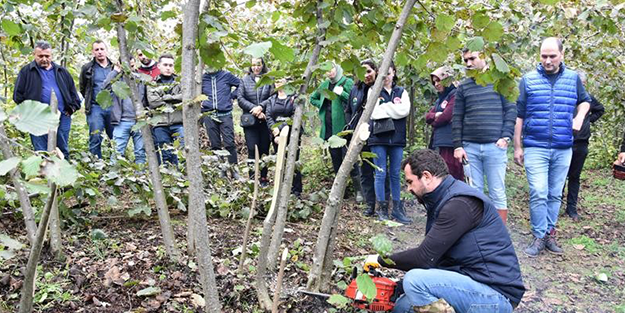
(167,95)
(120,107)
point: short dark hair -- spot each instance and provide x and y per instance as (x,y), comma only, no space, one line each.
(426,160)
(99,41)
(370,63)
(264,70)
(166,56)
(43,45)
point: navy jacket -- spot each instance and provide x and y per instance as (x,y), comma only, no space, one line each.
(356,104)
(442,131)
(218,87)
(394,138)
(485,253)
(28,86)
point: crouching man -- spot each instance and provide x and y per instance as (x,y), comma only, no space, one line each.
(466,259)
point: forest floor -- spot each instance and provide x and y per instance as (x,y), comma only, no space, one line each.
(106,274)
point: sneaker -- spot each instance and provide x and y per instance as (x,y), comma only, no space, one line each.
(359,197)
(535,247)
(551,244)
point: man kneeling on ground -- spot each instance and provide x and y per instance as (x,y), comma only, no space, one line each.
(467,258)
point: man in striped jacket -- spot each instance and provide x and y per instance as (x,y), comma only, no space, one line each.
(482,127)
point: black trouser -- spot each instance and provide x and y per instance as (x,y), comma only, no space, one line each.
(337,155)
(257,136)
(219,128)
(367,181)
(580,151)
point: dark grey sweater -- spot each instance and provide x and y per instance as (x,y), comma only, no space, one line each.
(481,115)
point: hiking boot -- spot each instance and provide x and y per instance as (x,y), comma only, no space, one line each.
(382,210)
(399,214)
(535,247)
(370,209)
(551,244)
(572,213)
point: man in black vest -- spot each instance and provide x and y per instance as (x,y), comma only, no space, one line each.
(466,259)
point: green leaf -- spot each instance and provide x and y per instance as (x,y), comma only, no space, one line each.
(339,301)
(31,166)
(264,80)
(445,22)
(453,43)
(368,155)
(37,188)
(281,52)
(60,172)
(8,164)
(336,142)
(250,4)
(548,2)
(500,63)
(121,89)
(11,28)
(142,208)
(382,245)
(493,31)
(401,59)
(257,50)
(34,117)
(104,99)
(476,44)
(150,291)
(167,15)
(98,234)
(330,95)
(480,20)
(366,286)
(3,115)
(212,55)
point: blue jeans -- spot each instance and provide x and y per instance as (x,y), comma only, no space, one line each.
(166,135)
(546,171)
(490,160)
(121,135)
(394,155)
(40,143)
(99,121)
(423,287)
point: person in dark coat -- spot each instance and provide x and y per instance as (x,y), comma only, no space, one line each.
(467,259)
(620,159)
(353,112)
(251,101)
(580,151)
(36,81)
(279,109)
(440,116)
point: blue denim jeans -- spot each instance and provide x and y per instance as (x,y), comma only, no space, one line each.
(490,160)
(166,135)
(393,155)
(546,171)
(424,286)
(40,143)
(99,121)
(121,135)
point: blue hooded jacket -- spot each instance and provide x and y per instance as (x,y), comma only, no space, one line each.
(218,87)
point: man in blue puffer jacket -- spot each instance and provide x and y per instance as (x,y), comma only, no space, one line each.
(547,102)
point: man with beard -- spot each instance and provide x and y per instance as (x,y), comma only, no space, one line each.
(147,66)
(466,260)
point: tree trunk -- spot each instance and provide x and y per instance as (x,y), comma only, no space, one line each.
(22,194)
(55,221)
(248,225)
(325,243)
(28,289)
(285,188)
(191,115)
(261,268)
(155,174)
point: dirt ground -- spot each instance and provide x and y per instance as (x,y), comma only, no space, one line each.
(106,275)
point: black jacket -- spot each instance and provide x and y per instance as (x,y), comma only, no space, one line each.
(249,96)
(356,104)
(275,110)
(28,86)
(86,82)
(594,113)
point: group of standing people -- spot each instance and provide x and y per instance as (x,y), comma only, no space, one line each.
(549,126)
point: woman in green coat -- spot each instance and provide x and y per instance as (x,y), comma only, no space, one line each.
(332,116)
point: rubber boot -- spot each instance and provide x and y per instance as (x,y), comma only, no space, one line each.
(504,215)
(357,188)
(382,209)
(399,214)
(370,209)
